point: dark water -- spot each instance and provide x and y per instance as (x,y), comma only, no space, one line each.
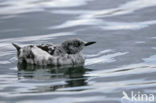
(122,60)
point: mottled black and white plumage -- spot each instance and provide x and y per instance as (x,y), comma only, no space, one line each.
(67,53)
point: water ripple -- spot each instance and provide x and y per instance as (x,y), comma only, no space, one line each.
(127,26)
(125,61)
(104,58)
(24,6)
(125,70)
(91,17)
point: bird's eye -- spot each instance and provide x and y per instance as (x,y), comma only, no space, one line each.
(77,44)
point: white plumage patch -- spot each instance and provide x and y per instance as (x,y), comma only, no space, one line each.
(40,57)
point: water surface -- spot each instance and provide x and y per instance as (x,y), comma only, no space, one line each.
(123,59)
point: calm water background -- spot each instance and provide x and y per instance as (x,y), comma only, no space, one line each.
(123,59)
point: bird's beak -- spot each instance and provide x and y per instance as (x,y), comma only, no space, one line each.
(89,43)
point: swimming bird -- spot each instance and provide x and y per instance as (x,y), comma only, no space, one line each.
(66,53)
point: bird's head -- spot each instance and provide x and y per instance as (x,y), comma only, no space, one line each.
(74,46)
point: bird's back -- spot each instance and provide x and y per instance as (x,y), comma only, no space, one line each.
(52,49)
(59,56)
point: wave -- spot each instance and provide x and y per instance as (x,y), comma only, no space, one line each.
(104,58)
(10,7)
(92,17)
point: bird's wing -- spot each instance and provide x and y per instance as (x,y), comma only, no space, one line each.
(50,48)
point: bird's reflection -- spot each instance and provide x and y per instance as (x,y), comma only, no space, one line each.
(73,76)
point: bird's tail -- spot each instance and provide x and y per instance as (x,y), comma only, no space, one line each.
(16,46)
